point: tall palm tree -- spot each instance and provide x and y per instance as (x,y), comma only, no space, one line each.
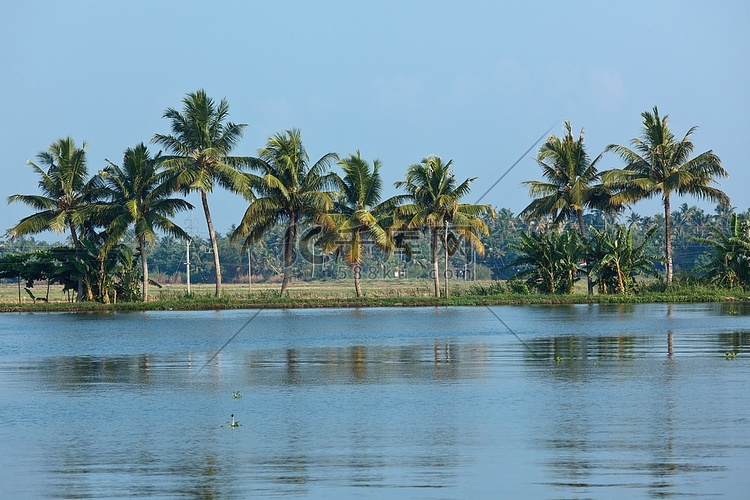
(287,190)
(359,215)
(200,145)
(67,194)
(140,196)
(659,164)
(572,183)
(434,196)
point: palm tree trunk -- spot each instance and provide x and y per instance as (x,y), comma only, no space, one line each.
(77,246)
(356,272)
(668,238)
(435,266)
(582,232)
(214,245)
(445,242)
(103,291)
(144,266)
(290,235)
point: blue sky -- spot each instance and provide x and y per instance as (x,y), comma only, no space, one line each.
(473,81)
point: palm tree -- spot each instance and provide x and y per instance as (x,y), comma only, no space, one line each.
(288,190)
(572,183)
(68,195)
(199,146)
(359,215)
(721,216)
(634,220)
(140,196)
(66,192)
(658,164)
(434,195)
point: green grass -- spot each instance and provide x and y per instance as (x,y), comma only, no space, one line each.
(378,293)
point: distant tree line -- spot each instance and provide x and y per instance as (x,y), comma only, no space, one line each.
(708,247)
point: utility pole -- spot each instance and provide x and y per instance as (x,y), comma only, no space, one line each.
(190,220)
(187,265)
(249,268)
(474,258)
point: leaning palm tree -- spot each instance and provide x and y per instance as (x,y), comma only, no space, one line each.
(359,216)
(199,148)
(434,204)
(659,164)
(67,195)
(572,184)
(140,196)
(287,190)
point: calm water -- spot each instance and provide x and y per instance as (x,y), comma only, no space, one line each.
(543,402)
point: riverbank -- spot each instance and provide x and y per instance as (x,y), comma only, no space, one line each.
(336,296)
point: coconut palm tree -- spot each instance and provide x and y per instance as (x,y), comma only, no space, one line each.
(287,190)
(139,195)
(721,216)
(199,150)
(634,220)
(66,192)
(572,184)
(660,165)
(434,196)
(68,196)
(359,216)
(572,181)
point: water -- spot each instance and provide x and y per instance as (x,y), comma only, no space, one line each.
(542,402)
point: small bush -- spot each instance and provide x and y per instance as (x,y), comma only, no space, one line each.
(518,286)
(495,288)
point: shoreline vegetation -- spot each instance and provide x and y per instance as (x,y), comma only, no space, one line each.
(303,213)
(307,295)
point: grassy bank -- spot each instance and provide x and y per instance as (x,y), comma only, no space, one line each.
(396,293)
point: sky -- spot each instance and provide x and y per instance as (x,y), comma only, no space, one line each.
(478,82)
